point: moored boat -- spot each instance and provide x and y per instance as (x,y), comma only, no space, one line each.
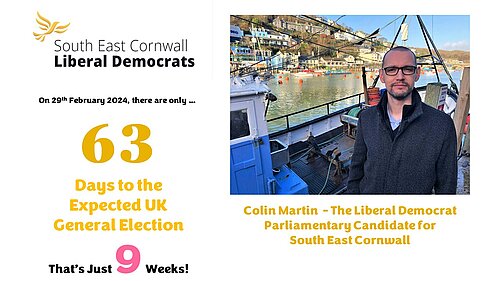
(304,73)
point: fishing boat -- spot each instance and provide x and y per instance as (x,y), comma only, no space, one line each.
(336,72)
(312,157)
(258,164)
(304,73)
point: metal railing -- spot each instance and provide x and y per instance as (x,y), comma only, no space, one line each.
(326,105)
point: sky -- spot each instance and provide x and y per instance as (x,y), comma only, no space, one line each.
(449,32)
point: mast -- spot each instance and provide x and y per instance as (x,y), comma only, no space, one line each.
(435,61)
(441,61)
(392,45)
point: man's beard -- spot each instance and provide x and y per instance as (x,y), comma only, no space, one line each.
(404,95)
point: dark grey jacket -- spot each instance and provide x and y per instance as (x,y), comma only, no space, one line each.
(418,158)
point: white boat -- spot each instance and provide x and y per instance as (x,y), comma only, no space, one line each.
(304,74)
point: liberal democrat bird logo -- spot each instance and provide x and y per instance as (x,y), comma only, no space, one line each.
(48,27)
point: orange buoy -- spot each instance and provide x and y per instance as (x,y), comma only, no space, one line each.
(280,82)
(466,127)
(280,76)
(373,95)
(287,78)
(301,81)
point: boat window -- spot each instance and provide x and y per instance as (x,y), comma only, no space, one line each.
(239,124)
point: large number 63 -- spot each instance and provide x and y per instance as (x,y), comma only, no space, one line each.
(107,147)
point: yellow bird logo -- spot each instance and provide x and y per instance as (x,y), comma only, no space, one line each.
(48,27)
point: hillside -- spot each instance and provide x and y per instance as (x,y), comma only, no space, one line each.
(306,47)
(449,55)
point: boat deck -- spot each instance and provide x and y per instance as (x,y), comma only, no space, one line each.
(314,170)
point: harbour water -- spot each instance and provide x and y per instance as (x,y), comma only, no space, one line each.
(295,94)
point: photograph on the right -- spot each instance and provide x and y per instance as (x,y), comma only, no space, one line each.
(350,104)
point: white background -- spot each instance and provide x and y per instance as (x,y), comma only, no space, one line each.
(40,153)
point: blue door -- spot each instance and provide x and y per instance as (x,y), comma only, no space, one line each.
(247,175)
